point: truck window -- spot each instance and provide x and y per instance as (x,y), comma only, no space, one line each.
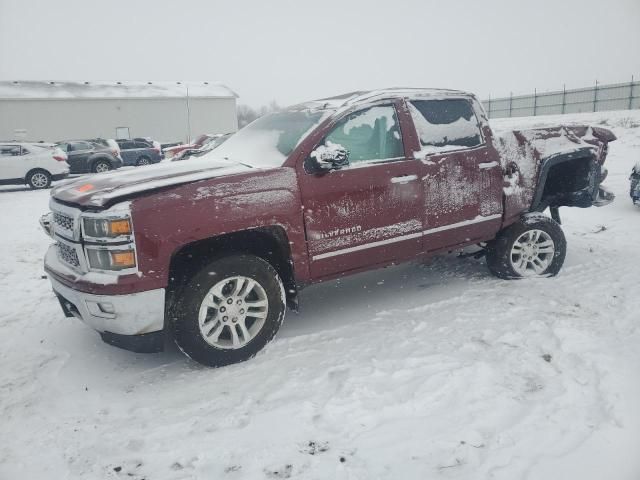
(445,125)
(371,134)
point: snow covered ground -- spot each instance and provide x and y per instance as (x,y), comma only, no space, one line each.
(418,371)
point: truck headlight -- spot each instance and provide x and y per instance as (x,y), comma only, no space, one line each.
(108,259)
(106,227)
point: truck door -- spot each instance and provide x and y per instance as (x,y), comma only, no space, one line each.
(460,174)
(368,212)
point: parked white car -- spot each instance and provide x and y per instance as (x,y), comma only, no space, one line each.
(33,164)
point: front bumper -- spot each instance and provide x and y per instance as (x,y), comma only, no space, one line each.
(134,321)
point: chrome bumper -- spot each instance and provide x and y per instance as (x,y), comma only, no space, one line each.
(131,314)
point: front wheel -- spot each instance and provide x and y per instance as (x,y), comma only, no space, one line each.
(533,246)
(229,310)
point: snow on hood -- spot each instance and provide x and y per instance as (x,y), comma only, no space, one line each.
(102,189)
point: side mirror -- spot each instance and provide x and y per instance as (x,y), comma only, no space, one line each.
(330,156)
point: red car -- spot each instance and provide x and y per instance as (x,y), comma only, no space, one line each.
(170,152)
(212,251)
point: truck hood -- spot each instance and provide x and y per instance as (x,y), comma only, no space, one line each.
(104,189)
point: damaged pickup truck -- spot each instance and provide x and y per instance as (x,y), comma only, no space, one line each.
(211,252)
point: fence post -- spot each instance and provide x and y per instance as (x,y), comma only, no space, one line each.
(510,102)
(489,112)
(564,96)
(631,93)
(535,101)
(595,96)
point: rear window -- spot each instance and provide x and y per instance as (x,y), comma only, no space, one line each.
(445,125)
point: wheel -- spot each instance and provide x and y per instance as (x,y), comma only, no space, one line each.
(533,246)
(229,310)
(39,179)
(143,161)
(102,166)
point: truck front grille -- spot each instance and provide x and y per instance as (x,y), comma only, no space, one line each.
(68,255)
(63,221)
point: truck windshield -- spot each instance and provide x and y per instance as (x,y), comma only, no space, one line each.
(269,140)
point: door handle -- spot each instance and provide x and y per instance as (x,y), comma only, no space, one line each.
(404,178)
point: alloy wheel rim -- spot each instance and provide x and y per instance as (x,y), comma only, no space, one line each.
(233,312)
(102,167)
(532,253)
(143,161)
(39,180)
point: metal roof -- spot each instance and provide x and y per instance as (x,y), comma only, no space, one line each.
(115,89)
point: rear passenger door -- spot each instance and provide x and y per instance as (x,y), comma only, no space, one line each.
(461,176)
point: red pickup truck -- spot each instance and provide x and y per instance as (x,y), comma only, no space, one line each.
(211,252)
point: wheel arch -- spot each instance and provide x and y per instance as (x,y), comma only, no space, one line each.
(270,243)
(567,179)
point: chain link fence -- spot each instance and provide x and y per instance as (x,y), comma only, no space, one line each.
(616,96)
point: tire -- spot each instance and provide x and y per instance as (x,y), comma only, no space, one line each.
(101,166)
(204,332)
(535,246)
(38,179)
(143,161)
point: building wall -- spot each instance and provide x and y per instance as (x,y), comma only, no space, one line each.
(164,119)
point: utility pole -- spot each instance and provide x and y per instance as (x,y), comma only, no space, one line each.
(631,93)
(188,117)
(564,97)
(535,101)
(510,102)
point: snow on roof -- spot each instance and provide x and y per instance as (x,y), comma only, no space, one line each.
(103,89)
(353,98)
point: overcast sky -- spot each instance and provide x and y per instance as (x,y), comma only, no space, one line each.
(290,51)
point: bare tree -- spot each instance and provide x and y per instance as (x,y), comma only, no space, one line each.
(247,114)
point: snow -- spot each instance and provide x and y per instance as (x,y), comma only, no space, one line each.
(103,89)
(433,370)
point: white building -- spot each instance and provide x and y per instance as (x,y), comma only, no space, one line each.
(165,111)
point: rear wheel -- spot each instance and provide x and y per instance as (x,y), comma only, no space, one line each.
(143,161)
(38,179)
(229,310)
(102,166)
(533,246)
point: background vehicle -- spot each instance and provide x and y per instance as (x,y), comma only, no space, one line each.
(139,152)
(107,142)
(170,152)
(206,147)
(33,164)
(318,191)
(635,184)
(89,157)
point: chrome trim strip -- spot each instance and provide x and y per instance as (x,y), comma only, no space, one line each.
(367,245)
(464,223)
(401,238)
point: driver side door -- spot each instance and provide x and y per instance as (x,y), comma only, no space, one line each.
(368,212)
